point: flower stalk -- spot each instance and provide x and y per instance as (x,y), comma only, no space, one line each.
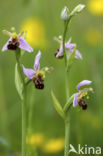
(67,119)
(69,52)
(24,124)
(64,38)
(23,101)
(67,131)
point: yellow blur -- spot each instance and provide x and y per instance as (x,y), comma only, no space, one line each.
(36,33)
(35,139)
(54,146)
(95,7)
(93,37)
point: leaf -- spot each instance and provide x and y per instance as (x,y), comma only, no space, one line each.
(3,142)
(18,81)
(57,105)
(5,147)
(70,60)
(68,104)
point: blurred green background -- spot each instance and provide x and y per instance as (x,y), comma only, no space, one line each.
(45,132)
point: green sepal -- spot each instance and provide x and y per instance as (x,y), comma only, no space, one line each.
(70,59)
(57,105)
(18,81)
(68,104)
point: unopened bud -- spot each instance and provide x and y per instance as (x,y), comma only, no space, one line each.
(77,9)
(60,37)
(65,14)
(13,29)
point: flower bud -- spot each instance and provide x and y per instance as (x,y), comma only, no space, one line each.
(77,9)
(60,37)
(65,14)
(13,29)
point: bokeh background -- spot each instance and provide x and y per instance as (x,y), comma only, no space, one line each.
(45,132)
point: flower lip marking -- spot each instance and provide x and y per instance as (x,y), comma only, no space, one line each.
(38,81)
(82,103)
(13,44)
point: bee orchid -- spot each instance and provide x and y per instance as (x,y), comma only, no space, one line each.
(79,97)
(37,75)
(16,41)
(69,48)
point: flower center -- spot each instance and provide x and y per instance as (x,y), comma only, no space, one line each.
(14,35)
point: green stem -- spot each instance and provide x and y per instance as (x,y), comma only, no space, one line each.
(17,54)
(30,115)
(67,128)
(67,123)
(23,100)
(64,37)
(24,124)
(67,85)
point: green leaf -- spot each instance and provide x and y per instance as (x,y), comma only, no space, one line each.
(68,104)
(3,142)
(5,147)
(18,81)
(70,60)
(57,105)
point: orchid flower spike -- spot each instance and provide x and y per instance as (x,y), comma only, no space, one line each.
(69,48)
(16,41)
(79,97)
(37,75)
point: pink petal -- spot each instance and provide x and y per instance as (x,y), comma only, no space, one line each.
(29,72)
(83,83)
(24,45)
(75,100)
(5,47)
(78,55)
(70,46)
(37,64)
(60,52)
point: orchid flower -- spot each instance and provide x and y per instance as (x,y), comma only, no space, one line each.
(16,41)
(79,97)
(37,75)
(69,48)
